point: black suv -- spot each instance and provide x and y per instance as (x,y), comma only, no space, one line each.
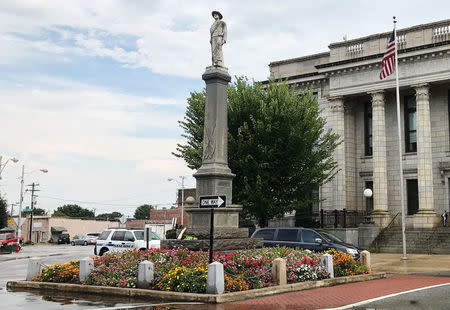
(304,238)
(63,239)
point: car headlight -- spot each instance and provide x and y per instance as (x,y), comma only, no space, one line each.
(352,252)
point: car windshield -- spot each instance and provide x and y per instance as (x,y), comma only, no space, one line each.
(140,235)
(330,237)
(104,235)
(2,237)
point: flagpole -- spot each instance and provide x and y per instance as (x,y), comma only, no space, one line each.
(402,192)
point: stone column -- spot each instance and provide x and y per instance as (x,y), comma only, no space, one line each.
(214,176)
(380,194)
(426,217)
(337,117)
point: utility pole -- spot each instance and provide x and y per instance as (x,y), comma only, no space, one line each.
(33,185)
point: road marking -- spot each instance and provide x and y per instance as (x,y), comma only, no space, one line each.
(384,297)
(151,305)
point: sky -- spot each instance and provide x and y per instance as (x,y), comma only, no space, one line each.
(93,91)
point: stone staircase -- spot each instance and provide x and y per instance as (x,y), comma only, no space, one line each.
(418,241)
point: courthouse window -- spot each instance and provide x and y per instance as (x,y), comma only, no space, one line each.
(410,124)
(368,129)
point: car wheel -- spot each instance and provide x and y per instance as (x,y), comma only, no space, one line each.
(102,252)
(73,243)
(85,243)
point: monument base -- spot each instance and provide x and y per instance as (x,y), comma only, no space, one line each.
(228,217)
(219,244)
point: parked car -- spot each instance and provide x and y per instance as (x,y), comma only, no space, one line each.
(93,235)
(63,239)
(305,238)
(120,239)
(82,240)
(7,238)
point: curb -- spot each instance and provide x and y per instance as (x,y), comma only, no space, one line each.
(192,297)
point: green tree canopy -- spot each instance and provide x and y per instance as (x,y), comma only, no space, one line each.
(73,210)
(3,214)
(109,216)
(38,211)
(143,212)
(277,146)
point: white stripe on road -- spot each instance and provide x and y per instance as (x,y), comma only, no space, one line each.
(386,296)
(151,305)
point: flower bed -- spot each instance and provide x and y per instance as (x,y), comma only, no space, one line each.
(181,270)
(345,265)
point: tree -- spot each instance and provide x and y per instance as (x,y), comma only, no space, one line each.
(38,211)
(73,211)
(143,212)
(278,146)
(109,216)
(3,213)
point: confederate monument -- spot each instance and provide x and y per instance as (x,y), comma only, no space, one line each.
(214,177)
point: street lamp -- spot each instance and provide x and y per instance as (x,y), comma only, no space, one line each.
(2,166)
(19,224)
(182,195)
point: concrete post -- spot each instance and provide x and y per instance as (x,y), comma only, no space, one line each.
(215,283)
(86,266)
(327,262)
(365,258)
(34,268)
(279,271)
(145,274)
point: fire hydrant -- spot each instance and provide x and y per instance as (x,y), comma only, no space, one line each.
(17,248)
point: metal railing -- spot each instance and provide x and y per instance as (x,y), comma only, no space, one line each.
(341,218)
(376,242)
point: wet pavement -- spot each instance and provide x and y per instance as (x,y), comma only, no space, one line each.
(428,270)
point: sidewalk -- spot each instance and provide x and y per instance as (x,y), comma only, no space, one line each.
(416,263)
(400,279)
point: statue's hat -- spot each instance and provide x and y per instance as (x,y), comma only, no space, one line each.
(218,13)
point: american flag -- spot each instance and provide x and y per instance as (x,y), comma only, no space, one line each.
(388,61)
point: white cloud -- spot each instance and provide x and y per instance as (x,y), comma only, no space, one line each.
(90,129)
(172,36)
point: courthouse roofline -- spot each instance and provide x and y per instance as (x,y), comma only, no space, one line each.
(362,39)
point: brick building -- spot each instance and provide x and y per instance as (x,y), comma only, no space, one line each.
(361,108)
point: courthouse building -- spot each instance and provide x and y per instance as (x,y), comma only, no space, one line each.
(361,108)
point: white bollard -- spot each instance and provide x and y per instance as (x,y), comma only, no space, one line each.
(86,266)
(145,274)
(327,261)
(279,271)
(34,268)
(215,283)
(365,258)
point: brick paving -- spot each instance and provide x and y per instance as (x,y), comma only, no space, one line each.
(334,296)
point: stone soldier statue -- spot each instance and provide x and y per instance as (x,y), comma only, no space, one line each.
(218,38)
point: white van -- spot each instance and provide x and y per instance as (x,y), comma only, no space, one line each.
(120,239)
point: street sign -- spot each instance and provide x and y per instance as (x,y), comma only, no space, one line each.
(213,201)
(10,222)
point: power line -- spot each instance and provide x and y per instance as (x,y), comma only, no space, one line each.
(101,203)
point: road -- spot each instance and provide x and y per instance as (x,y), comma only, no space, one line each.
(437,297)
(14,267)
